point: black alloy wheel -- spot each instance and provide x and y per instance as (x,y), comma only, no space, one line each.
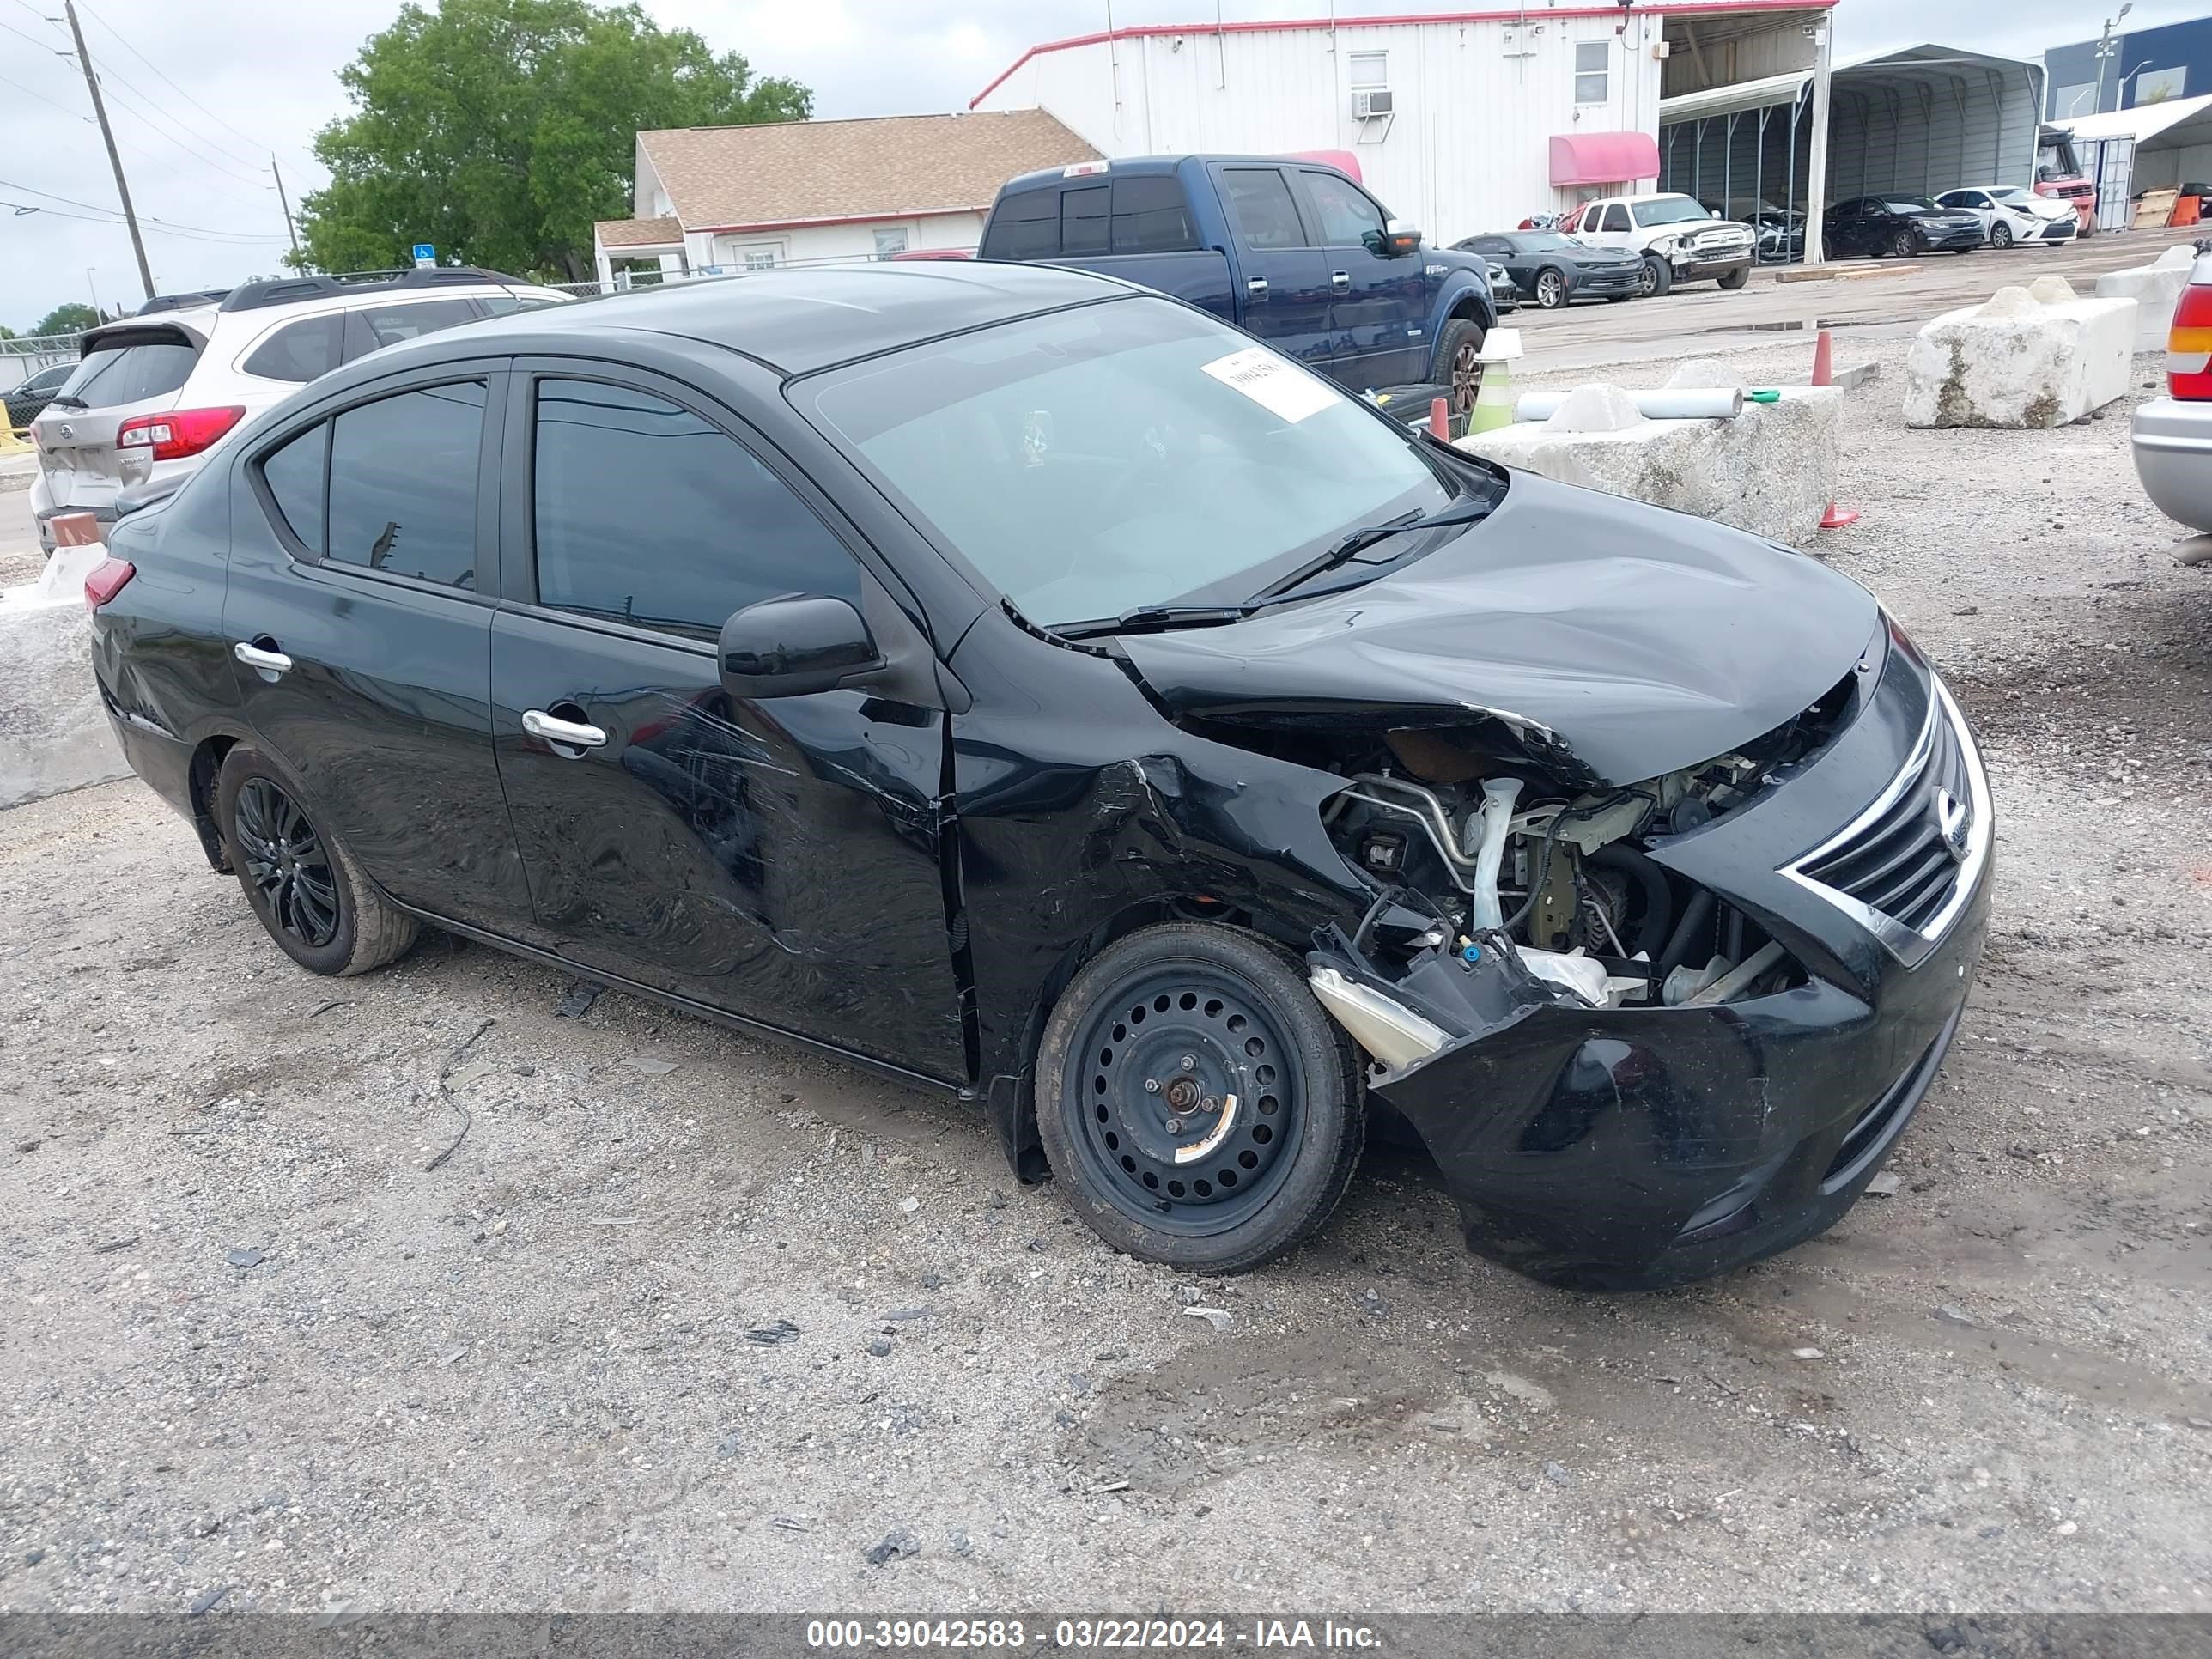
(1189,1095)
(288,865)
(1905,244)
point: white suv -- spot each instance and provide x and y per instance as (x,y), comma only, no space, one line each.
(153,395)
(1680,239)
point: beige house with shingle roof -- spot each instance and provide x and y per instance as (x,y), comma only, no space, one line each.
(806,193)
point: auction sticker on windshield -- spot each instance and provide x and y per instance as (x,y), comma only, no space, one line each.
(1274,384)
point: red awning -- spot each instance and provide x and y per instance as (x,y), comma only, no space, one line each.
(1604,158)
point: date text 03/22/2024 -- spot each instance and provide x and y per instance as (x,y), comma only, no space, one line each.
(1158,1635)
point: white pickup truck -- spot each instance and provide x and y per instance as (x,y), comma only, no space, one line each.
(1678,236)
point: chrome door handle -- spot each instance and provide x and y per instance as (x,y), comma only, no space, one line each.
(1339,279)
(1257,287)
(573,733)
(270,662)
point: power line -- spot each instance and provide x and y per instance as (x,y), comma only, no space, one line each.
(161,122)
(124,42)
(166,230)
(171,224)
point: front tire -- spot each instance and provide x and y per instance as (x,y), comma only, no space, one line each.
(1551,288)
(304,886)
(1905,244)
(1196,1036)
(1735,279)
(1459,361)
(1658,276)
(2001,235)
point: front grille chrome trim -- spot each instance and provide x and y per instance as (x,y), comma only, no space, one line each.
(1914,946)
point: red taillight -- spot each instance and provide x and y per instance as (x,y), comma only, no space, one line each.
(104,581)
(2189,346)
(180,433)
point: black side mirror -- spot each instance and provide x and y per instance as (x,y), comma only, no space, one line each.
(795,645)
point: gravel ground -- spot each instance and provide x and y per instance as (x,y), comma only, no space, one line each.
(687,1322)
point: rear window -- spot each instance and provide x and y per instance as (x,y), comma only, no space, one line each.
(1144,214)
(110,375)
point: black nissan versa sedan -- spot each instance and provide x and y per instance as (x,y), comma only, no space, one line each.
(1033,687)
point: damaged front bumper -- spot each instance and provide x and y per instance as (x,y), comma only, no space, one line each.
(1635,1147)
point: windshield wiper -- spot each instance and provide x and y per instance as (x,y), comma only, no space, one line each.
(1350,546)
(59,401)
(1156,618)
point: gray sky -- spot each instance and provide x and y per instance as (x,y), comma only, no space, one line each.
(240,78)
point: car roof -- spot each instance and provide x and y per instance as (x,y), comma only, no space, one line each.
(795,321)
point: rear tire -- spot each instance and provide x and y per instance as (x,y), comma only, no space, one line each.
(304,886)
(1218,1015)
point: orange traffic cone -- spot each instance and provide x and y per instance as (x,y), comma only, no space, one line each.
(1440,419)
(1824,373)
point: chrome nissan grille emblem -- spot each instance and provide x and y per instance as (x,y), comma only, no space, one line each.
(1954,821)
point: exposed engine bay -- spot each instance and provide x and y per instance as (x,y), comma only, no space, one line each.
(1498,851)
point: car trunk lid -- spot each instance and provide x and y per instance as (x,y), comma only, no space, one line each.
(128,369)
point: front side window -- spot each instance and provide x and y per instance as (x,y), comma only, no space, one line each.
(1616,217)
(1348,219)
(1593,60)
(645,513)
(1259,197)
(299,351)
(403,492)
(1119,455)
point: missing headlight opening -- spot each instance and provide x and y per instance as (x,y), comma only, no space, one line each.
(1504,853)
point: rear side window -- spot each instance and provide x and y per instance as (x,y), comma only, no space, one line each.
(1151,216)
(647,514)
(129,373)
(1025,227)
(1082,218)
(384,325)
(301,350)
(502,304)
(403,492)
(295,475)
(1259,197)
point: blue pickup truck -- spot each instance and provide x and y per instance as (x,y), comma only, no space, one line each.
(1294,251)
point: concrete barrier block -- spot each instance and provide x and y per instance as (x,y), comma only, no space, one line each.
(2155,288)
(1771,470)
(2017,361)
(54,733)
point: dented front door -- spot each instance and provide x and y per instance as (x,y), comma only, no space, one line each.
(775,860)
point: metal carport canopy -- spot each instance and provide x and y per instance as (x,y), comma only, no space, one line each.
(1925,119)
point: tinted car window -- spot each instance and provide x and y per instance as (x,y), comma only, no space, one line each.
(503,304)
(295,479)
(1261,199)
(1025,227)
(1616,217)
(388,325)
(647,514)
(1083,215)
(1347,218)
(301,350)
(1150,217)
(404,483)
(129,373)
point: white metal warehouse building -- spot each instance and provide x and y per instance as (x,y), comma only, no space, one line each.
(1460,122)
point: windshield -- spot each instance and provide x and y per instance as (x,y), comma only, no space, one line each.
(1671,210)
(2014,193)
(112,375)
(1547,241)
(1909,204)
(1132,453)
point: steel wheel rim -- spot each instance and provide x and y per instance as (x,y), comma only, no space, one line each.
(1550,290)
(1466,374)
(288,865)
(1147,1026)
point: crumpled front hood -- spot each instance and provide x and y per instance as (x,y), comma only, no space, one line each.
(1645,641)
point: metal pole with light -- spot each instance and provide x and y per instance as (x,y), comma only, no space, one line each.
(2106,48)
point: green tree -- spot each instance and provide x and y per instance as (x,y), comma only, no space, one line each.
(500,130)
(70,319)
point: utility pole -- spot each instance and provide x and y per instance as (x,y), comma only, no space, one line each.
(285,203)
(114,160)
(1816,168)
